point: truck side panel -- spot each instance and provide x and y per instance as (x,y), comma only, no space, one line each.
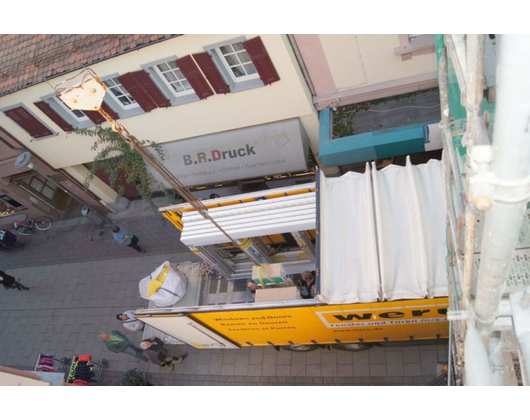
(327,324)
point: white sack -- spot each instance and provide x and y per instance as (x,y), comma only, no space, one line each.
(173,289)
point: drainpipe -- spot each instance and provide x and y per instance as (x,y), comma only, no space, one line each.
(510,171)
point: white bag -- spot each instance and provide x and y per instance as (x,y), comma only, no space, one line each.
(173,289)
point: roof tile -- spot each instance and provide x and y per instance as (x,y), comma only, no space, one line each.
(28,59)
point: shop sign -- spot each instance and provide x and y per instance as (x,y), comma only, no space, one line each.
(268,149)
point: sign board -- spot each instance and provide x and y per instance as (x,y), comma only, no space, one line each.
(251,152)
(189,331)
(372,322)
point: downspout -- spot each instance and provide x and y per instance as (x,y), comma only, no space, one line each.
(301,63)
(510,167)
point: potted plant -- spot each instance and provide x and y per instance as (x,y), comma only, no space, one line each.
(133,378)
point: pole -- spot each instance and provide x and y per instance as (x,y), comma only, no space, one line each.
(474,88)
(511,163)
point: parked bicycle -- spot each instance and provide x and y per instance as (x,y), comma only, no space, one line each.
(27,226)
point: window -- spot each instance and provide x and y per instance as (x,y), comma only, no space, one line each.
(238,62)
(174,78)
(120,94)
(79,116)
(8,206)
(25,118)
(39,186)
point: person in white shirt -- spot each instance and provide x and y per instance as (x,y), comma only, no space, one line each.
(129,321)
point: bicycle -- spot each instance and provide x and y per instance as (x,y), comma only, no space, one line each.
(27,226)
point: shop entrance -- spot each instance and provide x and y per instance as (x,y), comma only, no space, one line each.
(44,190)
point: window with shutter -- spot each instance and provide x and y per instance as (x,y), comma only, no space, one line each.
(97,118)
(52,115)
(124,98)
(194,77)
(143,90)
(261,60)
(205,62)
(174,79)
(75,115)
(28,122)
(235,58)
(110,111)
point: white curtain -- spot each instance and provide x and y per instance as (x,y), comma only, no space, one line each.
(382,234)
(348,256)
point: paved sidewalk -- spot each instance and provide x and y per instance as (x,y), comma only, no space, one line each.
(78,285)
(81,241)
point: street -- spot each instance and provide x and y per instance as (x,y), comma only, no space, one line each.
(80,278)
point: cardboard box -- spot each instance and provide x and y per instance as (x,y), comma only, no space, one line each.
(274,294)
(270,273)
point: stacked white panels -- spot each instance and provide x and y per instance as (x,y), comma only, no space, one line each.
(292,213)
(404,208)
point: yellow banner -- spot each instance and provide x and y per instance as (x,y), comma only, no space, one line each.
(392,321)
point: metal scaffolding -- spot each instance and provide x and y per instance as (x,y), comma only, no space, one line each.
(487,159)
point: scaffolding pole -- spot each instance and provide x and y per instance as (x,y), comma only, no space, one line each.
(511,170)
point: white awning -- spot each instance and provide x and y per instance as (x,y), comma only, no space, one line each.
(383,234)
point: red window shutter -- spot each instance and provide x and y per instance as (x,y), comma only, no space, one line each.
(28,122)
(194,76)
(95,116)
(205,62)
(143,90)
(110,111)
(263,63)
(149,86)
(52,115)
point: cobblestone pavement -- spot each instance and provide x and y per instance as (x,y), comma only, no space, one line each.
(79,280)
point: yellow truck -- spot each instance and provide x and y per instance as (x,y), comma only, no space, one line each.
(375,240)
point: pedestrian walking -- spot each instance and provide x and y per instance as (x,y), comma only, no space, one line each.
(9,282)
(117,342)
(159,355)
(126,238)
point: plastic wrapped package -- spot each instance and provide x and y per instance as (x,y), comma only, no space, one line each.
(164,286)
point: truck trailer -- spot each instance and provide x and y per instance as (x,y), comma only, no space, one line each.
(376,242)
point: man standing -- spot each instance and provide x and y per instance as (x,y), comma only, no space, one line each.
(307,285)
(125,238)
(159,355)
(129,321)
(9,282)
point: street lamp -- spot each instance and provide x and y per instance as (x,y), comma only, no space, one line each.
(24,161)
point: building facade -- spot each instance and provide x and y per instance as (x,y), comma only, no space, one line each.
(40,191)
(168,90)
(234,113)
(376,95)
